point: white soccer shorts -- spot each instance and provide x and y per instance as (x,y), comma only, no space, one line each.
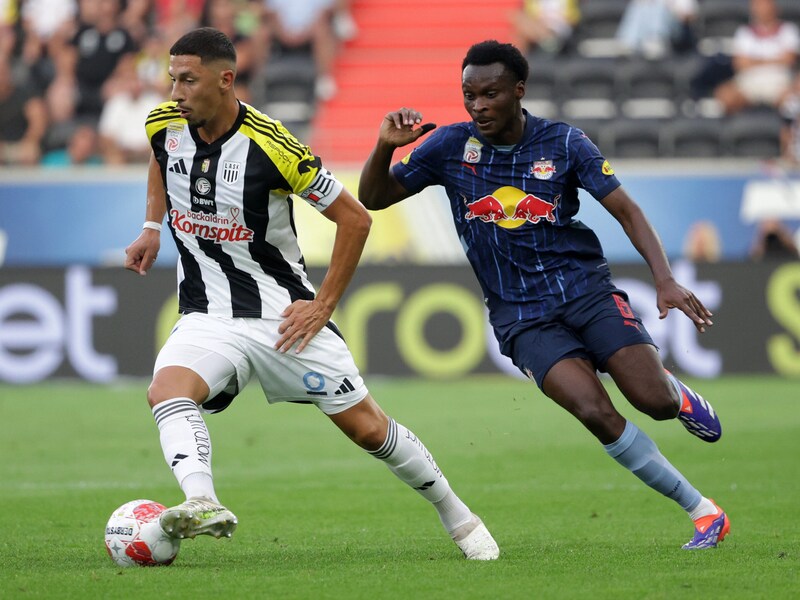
(226,352)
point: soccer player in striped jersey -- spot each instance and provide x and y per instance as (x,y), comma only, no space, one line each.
(225,176)
(512,180)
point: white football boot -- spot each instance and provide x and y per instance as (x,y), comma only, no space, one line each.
(475,541)
(198,516)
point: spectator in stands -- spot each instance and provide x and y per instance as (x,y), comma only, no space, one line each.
(764,54)
(81,149)
(773,241)
(139,19)
(702,243)
(344,26)
(655,28)
(790,132)
(175,17)
(86,66)
(124,113)
(544,24)
(23,120)
(45,26)
(293,26)
(224,16)
(8,23)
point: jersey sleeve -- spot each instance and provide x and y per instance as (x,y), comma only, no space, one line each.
(300,167)
(422,166)
(160,118)
(594,172)
(322,190)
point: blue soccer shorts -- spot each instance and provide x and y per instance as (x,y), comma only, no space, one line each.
(592,327)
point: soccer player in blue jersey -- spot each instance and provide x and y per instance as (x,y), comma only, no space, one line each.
(513,180)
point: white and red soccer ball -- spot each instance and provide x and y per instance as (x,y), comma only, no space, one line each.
(134,537)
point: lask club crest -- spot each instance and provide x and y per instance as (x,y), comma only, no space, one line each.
(230,172)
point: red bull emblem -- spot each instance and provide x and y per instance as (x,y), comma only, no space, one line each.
(534,209)
(510,207)
(543,169)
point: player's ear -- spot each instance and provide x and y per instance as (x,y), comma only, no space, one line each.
(519,90)
(226,78)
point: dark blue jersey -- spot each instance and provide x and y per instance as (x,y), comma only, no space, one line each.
(514,212)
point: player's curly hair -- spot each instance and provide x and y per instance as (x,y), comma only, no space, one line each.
(492,51)
(206,42)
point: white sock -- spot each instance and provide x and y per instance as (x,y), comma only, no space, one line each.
(186,445)
(199,485)
(704,508)
(410,461)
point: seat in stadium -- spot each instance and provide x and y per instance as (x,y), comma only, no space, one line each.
(599,19)
(595,34)
(587,79)
(541,84)
(646,79)
(789,10)
(646,89)
(754,134)
(634,138)
(693,138)
(720,18)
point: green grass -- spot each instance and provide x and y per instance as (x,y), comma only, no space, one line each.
(321,519)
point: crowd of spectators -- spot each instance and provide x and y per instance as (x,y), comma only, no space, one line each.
(742,54)
(78,77)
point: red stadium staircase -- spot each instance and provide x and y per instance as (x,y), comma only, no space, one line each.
(407,53)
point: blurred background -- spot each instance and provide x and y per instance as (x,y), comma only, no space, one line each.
(695,102)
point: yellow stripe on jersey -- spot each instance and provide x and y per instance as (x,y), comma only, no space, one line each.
(160,117)
(263,122)
(294,160)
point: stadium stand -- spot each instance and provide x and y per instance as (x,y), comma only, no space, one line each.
(692,137)
(408,53)
(667,101)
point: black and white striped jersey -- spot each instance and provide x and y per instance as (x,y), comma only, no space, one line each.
(229,207)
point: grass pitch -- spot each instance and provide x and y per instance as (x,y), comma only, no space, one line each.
(321,519)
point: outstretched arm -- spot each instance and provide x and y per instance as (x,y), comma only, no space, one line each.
(378,188)
(669,293)
(303,319)
(142,253)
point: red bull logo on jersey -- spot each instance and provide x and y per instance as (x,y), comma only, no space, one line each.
(543,169)
(510,207)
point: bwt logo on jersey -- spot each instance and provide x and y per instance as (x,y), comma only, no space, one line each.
(510,207)
(215,228)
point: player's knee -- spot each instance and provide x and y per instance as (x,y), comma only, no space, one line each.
(596,416)
(660,405)
(156,394)
(369,436)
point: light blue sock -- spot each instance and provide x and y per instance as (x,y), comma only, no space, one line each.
(639,454)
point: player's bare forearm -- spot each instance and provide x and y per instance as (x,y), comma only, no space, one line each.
(377,188)
(376,179)
(142,253)
(156,194)
(670,294)
(304,319)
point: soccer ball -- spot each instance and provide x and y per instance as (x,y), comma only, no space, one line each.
(134,537)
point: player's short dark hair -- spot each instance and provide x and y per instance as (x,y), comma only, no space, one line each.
(492,51)
(206,42)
